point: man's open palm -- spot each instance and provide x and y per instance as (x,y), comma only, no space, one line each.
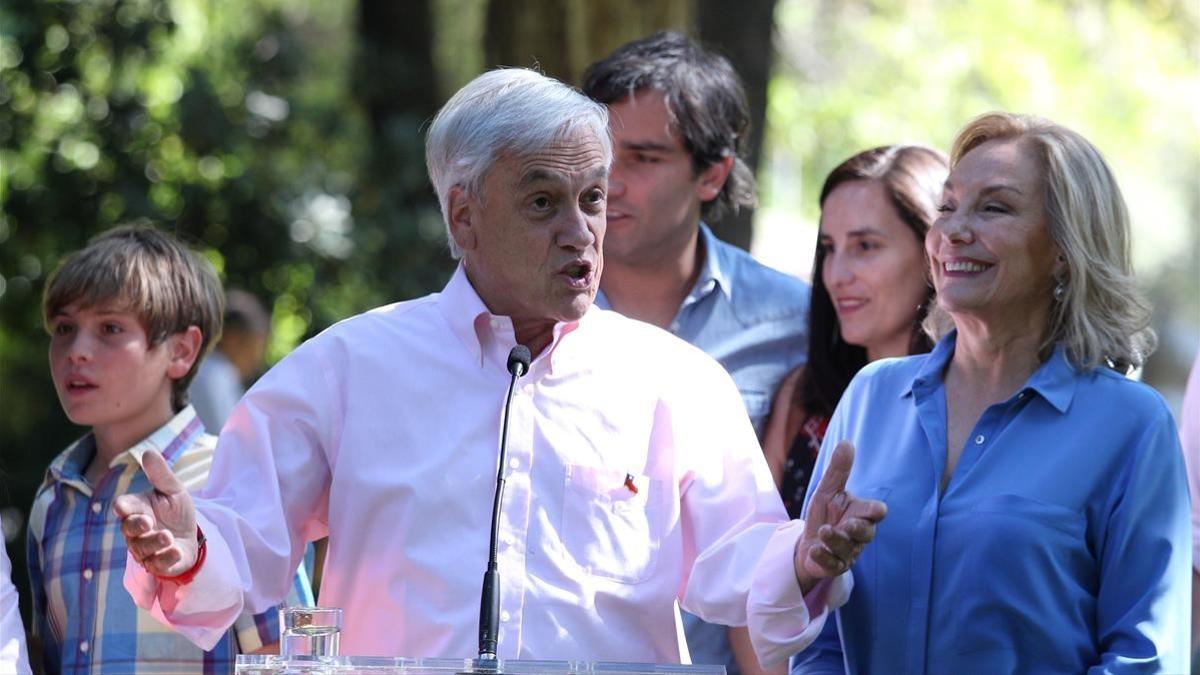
(159,525)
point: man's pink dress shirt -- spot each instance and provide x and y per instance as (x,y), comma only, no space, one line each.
(383,431)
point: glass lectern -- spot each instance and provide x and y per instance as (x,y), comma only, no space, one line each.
(379,665)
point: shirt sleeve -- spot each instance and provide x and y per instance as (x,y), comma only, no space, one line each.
(37,589)
(13,655)
(823,657)
(266,498)
(783,620)
(736,532)
(1144,598)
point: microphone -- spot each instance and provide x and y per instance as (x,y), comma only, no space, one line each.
(489,601)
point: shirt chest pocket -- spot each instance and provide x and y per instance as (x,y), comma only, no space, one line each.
(612,522)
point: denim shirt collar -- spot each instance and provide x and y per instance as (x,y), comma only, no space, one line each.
(714,272)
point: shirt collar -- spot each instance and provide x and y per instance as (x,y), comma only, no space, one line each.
(169,440)
(1054,380)
(929,377)
(477,328)
(71,464)
(716,269)
(714,272)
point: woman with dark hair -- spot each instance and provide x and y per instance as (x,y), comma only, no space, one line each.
(870,294)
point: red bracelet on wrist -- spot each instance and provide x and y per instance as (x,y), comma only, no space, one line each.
(201,554)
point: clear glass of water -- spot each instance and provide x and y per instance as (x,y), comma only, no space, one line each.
(310,631)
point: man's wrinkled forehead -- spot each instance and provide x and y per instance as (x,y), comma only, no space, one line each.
(577,156)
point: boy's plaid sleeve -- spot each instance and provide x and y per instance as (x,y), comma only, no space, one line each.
(255,630)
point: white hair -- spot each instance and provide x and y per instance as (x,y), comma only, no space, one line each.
(507,110)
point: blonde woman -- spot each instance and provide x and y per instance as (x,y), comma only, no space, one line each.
(1038,516)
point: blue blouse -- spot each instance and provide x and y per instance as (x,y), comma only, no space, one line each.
(1060,544)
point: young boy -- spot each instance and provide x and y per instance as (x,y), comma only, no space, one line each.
(130,317)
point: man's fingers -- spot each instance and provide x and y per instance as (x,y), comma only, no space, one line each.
(149,545)
(836,473)
(841,544)
(129,505)
(160,474)
(136,525)
(836,541)
(866,509)
(858,530)
(168,561)
(829,564)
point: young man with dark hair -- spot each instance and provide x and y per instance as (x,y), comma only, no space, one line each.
(679,119)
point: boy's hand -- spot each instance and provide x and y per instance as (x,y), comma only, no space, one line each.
(838,524)
(159,525)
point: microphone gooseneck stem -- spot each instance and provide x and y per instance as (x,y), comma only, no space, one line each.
(489,601)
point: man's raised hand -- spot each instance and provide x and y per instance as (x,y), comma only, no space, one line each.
(159,525)
(837,524)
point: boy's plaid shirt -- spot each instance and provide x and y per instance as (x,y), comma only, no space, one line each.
(86,620)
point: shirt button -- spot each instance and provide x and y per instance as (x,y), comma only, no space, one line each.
(87,574)
(979,439)
(514,463)
(95,507)
(84,646)
(505,616)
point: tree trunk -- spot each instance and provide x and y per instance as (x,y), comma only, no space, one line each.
(563,36)
(742,31)
(397,85)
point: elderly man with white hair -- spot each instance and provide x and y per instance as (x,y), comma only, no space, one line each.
(634,480)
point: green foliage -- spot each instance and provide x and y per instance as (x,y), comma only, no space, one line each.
(238,126)
(854,74)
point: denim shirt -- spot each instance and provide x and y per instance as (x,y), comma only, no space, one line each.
(752,319)
(1060,544)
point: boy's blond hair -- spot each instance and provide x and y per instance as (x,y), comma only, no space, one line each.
(150,273)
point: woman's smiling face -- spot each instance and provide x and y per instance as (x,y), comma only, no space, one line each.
(872,267)
(990,250)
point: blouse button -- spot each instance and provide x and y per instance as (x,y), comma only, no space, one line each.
(95,507)
(979,439)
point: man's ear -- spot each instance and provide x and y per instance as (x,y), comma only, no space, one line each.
(712,179)
(461,216)
(182,350)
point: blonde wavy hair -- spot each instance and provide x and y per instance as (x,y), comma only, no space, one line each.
(1101,319)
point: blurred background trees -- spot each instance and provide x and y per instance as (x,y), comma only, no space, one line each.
(284,138)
